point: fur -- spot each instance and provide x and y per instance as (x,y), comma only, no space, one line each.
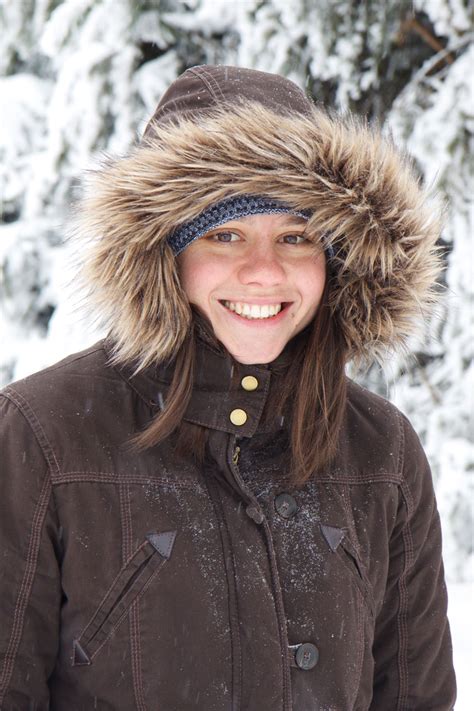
(363,195)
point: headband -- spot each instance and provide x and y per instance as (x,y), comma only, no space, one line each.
(230,209)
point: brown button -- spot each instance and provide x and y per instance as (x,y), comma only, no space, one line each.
(249,383)
(285,505)
(238,417)
(307,656)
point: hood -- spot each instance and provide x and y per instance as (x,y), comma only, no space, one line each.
(227,131)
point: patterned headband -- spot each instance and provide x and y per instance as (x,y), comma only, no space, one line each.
(230,209)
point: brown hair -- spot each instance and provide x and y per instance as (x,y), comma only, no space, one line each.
(313,396)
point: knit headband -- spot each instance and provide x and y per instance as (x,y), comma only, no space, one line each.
(230,209)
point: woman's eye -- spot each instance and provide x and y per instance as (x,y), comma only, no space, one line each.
(294,239)
(224,237)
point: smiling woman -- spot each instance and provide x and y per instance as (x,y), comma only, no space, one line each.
(202,511)
(258,275)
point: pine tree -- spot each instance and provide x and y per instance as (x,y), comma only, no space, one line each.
(80,78)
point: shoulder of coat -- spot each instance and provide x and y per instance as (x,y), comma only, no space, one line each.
(57,378)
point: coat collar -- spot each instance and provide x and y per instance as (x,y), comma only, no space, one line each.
(219,391)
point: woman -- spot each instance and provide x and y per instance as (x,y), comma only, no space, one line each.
(202,511)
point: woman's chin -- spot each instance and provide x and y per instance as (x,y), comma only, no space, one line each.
(254,356)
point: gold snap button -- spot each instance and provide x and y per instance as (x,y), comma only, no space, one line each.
(238,417)
(249,382)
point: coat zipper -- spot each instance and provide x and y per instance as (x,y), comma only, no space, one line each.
(235,455)
(253,507)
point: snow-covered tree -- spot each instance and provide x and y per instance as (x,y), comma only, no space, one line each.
(80,77)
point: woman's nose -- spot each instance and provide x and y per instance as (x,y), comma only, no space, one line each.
(262,266)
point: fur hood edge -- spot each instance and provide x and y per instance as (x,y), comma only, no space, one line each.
(362,193)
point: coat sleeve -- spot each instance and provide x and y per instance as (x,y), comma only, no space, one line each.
(30,591)
(412,646)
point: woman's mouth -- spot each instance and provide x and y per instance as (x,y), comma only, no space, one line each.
(254,311)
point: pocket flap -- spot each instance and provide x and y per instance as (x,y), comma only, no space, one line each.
(162,542)
(333,535)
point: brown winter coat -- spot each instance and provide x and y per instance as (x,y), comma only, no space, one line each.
(144,581)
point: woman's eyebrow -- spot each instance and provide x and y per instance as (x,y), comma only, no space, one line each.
(295,220)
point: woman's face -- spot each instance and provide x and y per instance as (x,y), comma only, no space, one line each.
(258,280)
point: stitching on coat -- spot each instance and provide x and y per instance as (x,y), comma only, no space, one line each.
(374,478)
(130,384)
(368,599)
(108,592)
(171,541)
(111,478)
(402,621)
(125,515)
(206,80)
(145,544)
(361,611)
(25,587)
(401,438)
(360,654)
(123,615)
(403,615)
(30,415)
(127,545)
(215,84)
(136,642)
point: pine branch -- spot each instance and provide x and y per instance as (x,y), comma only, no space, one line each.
(412,24)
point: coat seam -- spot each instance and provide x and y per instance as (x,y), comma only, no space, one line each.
(206,80)
(402,616)
(127,545)
(362,607)
(112,478)
(25,587)
(129,383)
(117,479)
(403,624)
(359,478)
(29,414)
(99,618)
(137,651)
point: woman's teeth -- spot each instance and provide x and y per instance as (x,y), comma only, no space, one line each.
(253,310)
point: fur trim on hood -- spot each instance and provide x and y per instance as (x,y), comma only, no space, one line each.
(363,196)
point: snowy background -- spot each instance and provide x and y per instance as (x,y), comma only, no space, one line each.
(80,77)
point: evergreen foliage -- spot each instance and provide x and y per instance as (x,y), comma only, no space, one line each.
(78,76)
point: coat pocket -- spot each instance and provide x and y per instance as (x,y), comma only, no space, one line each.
(130,583)
(342,546)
